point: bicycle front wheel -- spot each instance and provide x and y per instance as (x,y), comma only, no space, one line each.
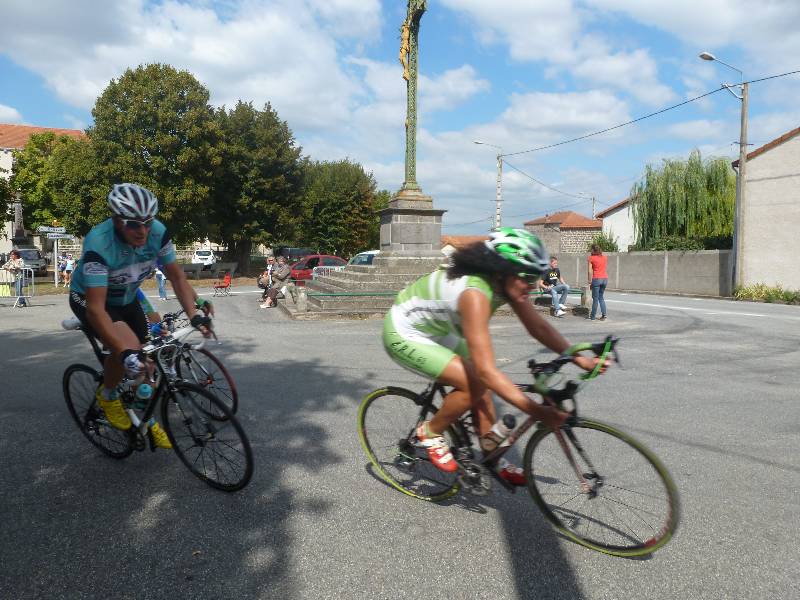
(207,437)
(80,384)
(387,421)
(602,488)
(207,371)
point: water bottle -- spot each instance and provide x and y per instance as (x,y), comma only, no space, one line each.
(143,393)
(498,433)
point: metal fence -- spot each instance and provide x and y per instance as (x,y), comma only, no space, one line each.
(21,286)
(322,271)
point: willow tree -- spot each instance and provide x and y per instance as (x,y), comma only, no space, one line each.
(689,199)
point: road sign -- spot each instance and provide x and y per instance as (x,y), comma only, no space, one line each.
(60,236)
(45,229)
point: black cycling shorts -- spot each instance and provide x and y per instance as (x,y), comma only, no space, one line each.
(132,314)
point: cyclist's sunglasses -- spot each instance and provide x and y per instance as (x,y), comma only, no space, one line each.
(529,279)
(135,224)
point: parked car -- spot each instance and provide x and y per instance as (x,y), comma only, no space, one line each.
(292,254)
(207,258)
(303,269)
(33,259)
(364,258)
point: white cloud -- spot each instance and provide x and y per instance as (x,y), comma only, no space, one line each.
(9,115)
(701,130)
(283,52)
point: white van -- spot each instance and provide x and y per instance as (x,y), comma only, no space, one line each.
(204,257)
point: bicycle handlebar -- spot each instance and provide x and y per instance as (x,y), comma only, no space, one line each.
(543,371)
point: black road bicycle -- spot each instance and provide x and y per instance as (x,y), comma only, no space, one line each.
(597,485)
(199,365)
(203,431)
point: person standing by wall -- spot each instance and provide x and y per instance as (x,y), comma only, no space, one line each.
(161,280)
(598,280)
(69,265)
(15,265)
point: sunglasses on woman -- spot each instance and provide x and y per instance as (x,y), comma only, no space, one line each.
(136,224)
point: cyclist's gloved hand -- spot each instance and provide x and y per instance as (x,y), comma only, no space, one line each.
(156,330)
(133,366)
(202,323)
(204,305)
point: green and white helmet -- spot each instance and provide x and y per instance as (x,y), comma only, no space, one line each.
(521,247)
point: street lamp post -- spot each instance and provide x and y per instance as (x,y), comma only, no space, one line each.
(739,212)
(499,189)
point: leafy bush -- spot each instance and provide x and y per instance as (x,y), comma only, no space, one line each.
(676,242)
(607,243)
(764,293)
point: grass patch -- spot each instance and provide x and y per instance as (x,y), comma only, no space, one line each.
(761,292)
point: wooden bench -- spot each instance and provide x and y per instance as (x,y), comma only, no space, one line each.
(193,268)
(582,291)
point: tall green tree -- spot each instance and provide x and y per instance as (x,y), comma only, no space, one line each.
(256,198)
(689,199)
(339,204)
(154,126)
(32,176)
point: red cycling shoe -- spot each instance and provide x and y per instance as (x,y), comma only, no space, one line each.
(438,450)
(513,475)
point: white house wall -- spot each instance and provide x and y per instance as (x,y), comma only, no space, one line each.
(619,225)
(771,240)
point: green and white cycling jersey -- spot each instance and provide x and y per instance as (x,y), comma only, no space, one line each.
(422,331)
(108,261)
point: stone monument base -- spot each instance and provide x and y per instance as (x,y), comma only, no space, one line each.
(410,226)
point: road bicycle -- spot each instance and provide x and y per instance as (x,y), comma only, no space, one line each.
(595,484)
(203,431)
(201,366)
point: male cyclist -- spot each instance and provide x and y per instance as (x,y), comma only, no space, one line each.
(438,327)
(118,254)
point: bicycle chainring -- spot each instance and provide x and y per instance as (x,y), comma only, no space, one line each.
(474,478)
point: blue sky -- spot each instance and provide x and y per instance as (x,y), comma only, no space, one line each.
(516,73)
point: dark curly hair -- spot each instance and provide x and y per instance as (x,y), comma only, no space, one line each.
(477,259)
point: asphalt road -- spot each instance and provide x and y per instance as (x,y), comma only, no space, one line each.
(709,385)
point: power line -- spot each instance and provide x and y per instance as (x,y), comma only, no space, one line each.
(606,130)
(642,118)
(540,182)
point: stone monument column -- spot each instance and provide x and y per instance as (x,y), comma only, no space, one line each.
(410,226)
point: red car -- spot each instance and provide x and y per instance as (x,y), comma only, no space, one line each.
(304,268)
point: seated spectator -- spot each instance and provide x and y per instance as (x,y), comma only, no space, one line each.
(280,277)
(553,282)
(265,279)
(15,265)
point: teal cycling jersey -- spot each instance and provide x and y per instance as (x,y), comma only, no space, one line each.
(109,262)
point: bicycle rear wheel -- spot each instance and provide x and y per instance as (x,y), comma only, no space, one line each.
(628,505)
(80,384)
(387,420)
(207,371)
(215,449)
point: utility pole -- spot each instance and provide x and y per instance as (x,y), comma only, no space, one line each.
(741,187)
(594,213)
(499,196)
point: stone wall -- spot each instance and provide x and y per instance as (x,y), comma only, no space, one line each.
(550,235)
(705,272)
(576,240)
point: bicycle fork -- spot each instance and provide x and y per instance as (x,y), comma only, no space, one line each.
(585,486)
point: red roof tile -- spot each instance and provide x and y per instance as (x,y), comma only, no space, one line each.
(16,136)
(770,145)
(568,219)
(613,207)
(460,241)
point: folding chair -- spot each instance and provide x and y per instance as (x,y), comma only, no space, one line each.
(223,288)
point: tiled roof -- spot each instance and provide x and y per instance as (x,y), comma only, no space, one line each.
(460,241)
(770,145)
(16,136)
(613,208)
(568,219)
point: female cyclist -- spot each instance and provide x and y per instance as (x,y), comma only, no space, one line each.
(438,327)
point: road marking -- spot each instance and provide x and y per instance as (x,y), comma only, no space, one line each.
(703,310)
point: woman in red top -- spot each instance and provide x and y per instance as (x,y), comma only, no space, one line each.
(598,280)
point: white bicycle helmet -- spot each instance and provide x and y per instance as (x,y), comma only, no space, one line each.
(131,201)
(522,248)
